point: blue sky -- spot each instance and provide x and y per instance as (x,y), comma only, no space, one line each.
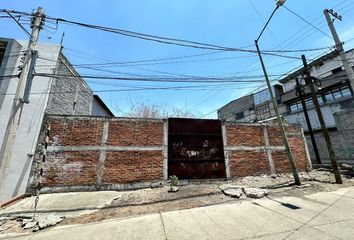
(226,23)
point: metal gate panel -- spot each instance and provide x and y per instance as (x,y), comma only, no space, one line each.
(195,149)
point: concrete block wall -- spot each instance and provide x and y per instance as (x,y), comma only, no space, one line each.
(254,149)
(69,95)
(342,138)
(113,153)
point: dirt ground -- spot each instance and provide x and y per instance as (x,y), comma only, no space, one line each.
(199,194)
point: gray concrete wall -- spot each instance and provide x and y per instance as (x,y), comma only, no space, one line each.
(342,139)
(98,109)
(15,168)
(228,111)
(69,95)
(9,65)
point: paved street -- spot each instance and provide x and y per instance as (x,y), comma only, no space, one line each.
(325,215)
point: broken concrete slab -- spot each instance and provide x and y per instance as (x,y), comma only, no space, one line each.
(26,220)
(30,225)
(48,220)
(255,192)
(233,192)
(347,167)
(229,186)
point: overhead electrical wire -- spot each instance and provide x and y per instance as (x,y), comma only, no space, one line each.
(301,37)
(320,49)
(303,19)
(166,40)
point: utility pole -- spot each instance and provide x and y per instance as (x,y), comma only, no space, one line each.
(280,122)
(20,95)
(339,45)
(275,105)
(300,92)
(309,81)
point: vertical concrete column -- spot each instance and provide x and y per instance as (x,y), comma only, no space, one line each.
(165,149)
(306,149)
(102,159)
(268,150)
(226,153)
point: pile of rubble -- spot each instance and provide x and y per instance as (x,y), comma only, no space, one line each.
(29,223)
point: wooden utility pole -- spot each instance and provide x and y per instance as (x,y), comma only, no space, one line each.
(309,81)
(308,122)
(20,95)
(339,45)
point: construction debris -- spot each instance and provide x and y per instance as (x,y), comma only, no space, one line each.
(255,192)
(48,220)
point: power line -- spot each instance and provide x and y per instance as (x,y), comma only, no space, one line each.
(193,88)
(19,24)
(153,79)
(303,19)
(166,40)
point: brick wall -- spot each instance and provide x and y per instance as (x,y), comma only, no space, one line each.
(254,149)
(102,152)
(105,152)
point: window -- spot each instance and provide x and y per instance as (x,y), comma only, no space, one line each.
(262,109)
(293,108)
(239,115)
(309,102)
(296,106)
(320,99)
(336,70)
(336,94)
(329,97)
(346,92)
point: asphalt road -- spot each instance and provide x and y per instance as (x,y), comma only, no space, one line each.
(324,215)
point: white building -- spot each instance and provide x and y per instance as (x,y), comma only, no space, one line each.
(52,95)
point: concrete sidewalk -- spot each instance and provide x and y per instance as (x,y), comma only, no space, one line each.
(325,215)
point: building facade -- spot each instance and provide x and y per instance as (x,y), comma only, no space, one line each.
(255,107)
(334,93)
(67,94)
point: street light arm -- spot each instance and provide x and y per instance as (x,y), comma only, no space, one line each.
(265,26)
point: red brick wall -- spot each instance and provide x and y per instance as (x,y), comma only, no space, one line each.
(246,149)
(135,133)
(248,163)
(76,132)
(132,166)
(79,153)
(70,168)
(244,135)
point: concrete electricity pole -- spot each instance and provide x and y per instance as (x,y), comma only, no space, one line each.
(339,45)
(20,95)
(274,102)
(309,81)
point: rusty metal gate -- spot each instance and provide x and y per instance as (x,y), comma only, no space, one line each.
(195,149)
